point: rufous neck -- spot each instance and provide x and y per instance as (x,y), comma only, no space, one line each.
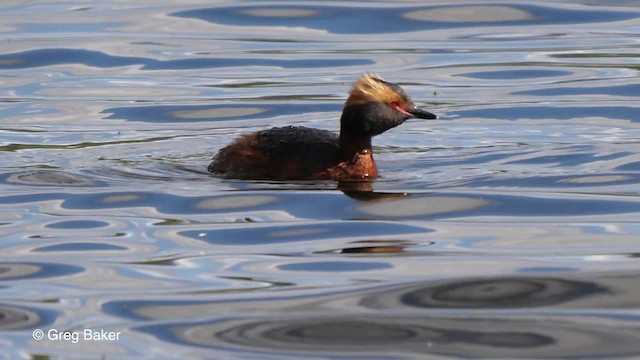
(351,145)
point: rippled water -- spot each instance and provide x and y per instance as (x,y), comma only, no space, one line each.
(508,228)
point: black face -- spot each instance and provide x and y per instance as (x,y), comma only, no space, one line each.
(374,118)
(370,119)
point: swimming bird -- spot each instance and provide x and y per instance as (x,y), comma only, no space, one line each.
(301,153)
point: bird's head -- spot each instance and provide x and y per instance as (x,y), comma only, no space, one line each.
(375,106)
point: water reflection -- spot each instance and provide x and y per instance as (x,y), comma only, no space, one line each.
(299,233)
(555,112)
(472,14)
(515,74)
(375,20)
(423,205)
(63,56)
(358,205)
(48,178)
(17,271)
(500,293)
(494,295)
(507,230)
(247,111)
(80,246)
(16,318)
(409,319)
(631,90)
(397,334)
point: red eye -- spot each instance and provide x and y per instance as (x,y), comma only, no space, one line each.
(397,106)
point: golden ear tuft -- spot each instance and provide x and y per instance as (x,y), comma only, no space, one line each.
(370,88)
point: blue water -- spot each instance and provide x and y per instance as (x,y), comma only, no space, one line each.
(507,228)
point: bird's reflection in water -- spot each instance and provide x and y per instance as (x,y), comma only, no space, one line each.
(363,191)
(374,247)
